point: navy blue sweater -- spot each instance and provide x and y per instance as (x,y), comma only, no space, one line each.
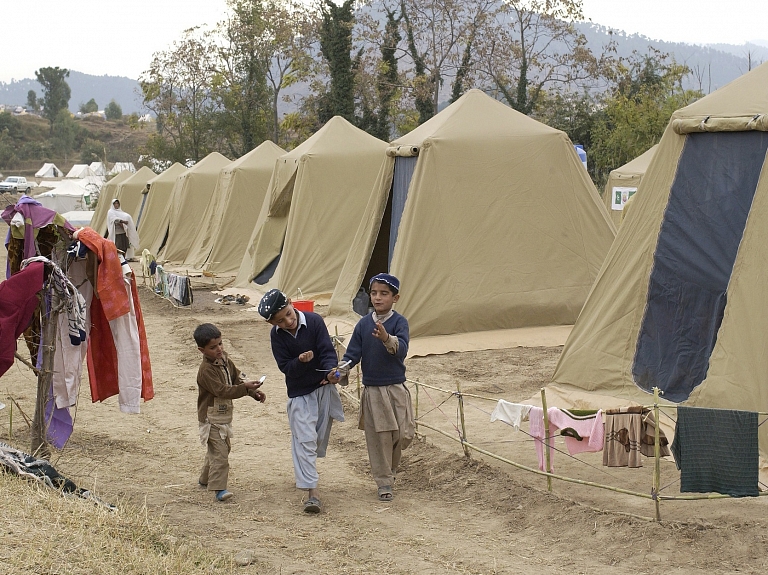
(379,366)
(303,378)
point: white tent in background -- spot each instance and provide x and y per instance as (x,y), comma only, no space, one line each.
(122,167)
(80,171)
(79,218)
(66,196)
(98,168)
(49,171)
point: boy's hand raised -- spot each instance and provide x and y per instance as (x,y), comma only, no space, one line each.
(380,332)
(306,356)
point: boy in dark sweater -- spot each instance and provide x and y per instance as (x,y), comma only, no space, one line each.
(304,353)
(218,382)
(380,339)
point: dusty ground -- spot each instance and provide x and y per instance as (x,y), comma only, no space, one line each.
(450,514)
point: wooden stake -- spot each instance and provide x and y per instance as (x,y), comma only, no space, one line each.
(39,446)
(461,415)
(656,454)
(548,467)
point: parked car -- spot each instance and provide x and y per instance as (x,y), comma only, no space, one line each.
(16,184)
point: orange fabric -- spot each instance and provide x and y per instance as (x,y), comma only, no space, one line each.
(110,289)
(102,355)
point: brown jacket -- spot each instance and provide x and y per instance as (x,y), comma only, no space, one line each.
(218,383)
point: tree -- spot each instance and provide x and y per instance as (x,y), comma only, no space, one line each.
(56,92)
(32,103)
(240,80)
(439,39)
(646,90)
(531,47)
(63,133)
(293,31)
(92,151)
(89,107)
(178,89)
(113,111)
(336,47)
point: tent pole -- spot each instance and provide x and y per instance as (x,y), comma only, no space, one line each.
(656,454)
(546,439)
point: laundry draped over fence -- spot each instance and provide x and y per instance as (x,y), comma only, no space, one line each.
(715,449)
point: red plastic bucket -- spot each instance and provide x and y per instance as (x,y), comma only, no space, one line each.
(304,305)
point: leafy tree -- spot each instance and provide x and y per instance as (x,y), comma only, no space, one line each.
(178,88)
(32,103)
(63,133)
(113,111)
(11,125)
(56,92)
(240,79)
(388,78)
(646,90)
(92,151)
(292,34)
(336,47)
(8,159)
(531,47)
(440,37)
(89,107)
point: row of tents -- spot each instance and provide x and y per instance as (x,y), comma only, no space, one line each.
(51,171)
(490,221)
(488,218)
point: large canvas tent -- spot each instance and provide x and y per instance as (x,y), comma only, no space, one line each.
(623,183)
(233,209)
(680,301)
(318,193)
(80,171)
(106,195)
(154,203)
(488,219)
(184,214)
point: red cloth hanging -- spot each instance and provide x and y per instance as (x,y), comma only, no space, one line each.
(18,301)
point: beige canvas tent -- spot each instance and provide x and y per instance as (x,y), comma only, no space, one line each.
(186,208)
(106,195)
(317,195)
(155,200)
(232,211)
(48,171)
(488,219)
(680,301)
(623,183)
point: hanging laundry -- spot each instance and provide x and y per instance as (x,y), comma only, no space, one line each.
(585,432)
(18,301)
(118,355)
(511,413)
(179,289)
(629,433)
(716,451)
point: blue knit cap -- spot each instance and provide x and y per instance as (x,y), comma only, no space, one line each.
(272,302)
(388,279)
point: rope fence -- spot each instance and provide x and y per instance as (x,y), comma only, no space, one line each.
(459,435)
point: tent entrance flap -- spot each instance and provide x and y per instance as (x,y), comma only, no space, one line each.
(380,256)
(703,224)
(401,181)
(266,274)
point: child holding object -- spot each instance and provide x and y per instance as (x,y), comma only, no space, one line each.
(218,383)
(304,353)
(380,339)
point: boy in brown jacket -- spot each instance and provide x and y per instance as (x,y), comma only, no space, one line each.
(218,383)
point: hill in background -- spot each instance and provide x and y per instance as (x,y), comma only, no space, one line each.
(103,89)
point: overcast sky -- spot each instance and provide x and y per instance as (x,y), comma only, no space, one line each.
(118,37)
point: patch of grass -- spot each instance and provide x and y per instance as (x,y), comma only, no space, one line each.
(43,532)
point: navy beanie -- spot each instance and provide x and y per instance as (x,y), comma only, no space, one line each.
(388,279)
(272,302)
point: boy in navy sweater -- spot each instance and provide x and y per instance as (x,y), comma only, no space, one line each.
(304,353)
(380,339)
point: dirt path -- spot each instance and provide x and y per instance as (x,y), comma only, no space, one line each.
(450,514)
